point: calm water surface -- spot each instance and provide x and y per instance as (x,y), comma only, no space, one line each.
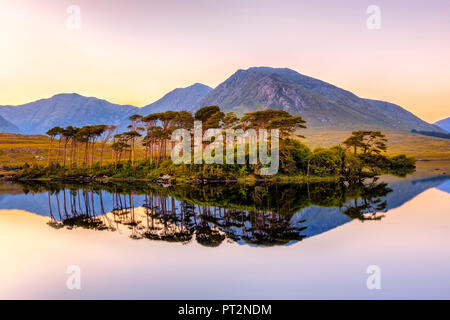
(283,241)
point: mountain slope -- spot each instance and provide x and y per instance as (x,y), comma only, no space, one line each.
(178,99)
(250,90)
(63,110)
(321,104)
(76,110)
(444,124)
(401,118)
(7,126)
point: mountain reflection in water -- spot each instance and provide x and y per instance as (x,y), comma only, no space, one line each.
(260,215)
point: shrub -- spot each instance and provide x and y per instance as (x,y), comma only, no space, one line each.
(325,162)
(402,161)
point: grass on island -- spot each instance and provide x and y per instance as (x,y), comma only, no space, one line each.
(413,145)
(16,149)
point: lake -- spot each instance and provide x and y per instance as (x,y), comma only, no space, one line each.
(229,241)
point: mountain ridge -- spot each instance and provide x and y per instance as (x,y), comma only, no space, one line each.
(7,126)
(63,110)
(178,99)
(321,104)
(74,109)
(444,124)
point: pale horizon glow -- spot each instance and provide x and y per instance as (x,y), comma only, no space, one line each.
(135,52)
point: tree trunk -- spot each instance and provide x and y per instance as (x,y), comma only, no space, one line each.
(59,148)
(92,153)
(86,154)
(65,149)
(72,153)
(132,153)
(79,155)
(151,151)
(50,151)
(114,156)
(101,154)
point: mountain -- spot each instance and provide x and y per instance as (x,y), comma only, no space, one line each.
(63,110)
(6,126)
(444,124)
(178,99)
(73,109)
(321,104)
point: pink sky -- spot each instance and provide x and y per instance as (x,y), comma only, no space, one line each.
(133,52)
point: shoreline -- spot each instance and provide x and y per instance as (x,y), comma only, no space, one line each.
(428,160)
(176,180)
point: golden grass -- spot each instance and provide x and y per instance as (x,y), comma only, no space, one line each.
(414,145)
(16,149)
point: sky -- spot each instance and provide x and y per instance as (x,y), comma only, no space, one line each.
(133,52)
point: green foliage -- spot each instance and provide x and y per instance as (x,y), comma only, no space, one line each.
(401,165)
(402,161)
(375,163)
(325,162)
(296,152)
(368,142)
(352,167)
(274,119)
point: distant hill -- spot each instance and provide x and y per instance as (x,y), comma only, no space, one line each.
(63,110)
(6,126)
(73,109)
(320,103)
(444,124)
(178,99)
(432,134)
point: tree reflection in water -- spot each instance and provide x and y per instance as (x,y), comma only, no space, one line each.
(258,214)
(369,203)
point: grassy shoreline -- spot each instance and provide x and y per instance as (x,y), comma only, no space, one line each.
(95,179)
(362,155)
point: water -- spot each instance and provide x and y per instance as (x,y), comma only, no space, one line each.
(278,241)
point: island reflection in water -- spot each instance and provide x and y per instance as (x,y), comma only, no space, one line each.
(227,241)
(259,215)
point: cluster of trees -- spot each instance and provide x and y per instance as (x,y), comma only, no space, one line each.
(153,133)
(362,154)
(80,142)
